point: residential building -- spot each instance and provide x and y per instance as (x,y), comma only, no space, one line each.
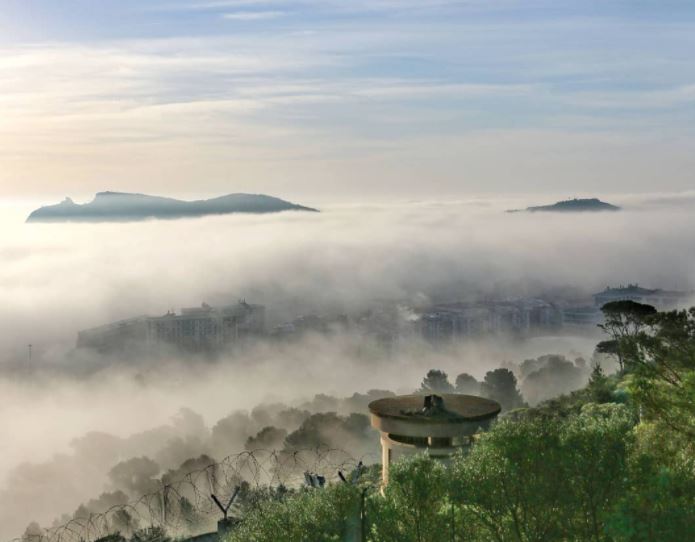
(197,329)
(661,299)
(457,320)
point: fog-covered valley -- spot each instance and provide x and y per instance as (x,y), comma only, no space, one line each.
(72,416)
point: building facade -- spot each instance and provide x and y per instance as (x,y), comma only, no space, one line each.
(460,320)
(196,329)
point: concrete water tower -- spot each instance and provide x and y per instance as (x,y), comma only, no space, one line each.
(436,424)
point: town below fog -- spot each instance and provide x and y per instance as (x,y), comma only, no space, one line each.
(211,329)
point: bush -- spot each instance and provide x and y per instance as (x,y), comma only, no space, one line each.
(414,505)
(311,515)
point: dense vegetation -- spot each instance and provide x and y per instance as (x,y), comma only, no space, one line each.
(614,461)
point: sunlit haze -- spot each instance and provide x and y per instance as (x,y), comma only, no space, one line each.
(345,99)
(230,228)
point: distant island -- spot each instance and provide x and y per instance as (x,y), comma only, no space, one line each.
(572,206)
(125,207)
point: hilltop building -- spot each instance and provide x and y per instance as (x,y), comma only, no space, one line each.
(196,329)
(661,299)
(588,314)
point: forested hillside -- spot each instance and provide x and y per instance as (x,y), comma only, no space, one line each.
(612,462)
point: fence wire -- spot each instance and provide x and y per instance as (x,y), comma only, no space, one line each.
(185,508)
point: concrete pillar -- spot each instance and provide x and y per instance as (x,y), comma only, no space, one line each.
(385,458)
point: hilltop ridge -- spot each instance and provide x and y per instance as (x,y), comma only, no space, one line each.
(126,207)
(572,206)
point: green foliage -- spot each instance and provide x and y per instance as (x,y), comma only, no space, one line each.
(628,312)
(509,475)
(662,379)
(436,381)
(594,453)
(413,508)
(600,388)
(623,322)
(550,375)
(609,347)
(251,497)
(312,515)
(352,432)
(544,478)
(190,515)
(659,502)
(501,386)
(467,384)
(115,537)
(268,438)
(614,462)
(150,534)
(136,475)
(537,479)
(123,522)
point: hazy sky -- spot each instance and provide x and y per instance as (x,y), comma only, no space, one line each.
(338,98)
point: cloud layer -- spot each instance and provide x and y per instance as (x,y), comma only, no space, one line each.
(59,278)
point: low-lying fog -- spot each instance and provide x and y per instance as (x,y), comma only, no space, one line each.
(56,279)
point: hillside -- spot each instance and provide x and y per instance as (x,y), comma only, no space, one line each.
(573,206)
(125,207)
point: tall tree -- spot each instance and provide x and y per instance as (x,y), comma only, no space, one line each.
(599,387)
(501,385)
(623,322)
(467,384)
(436,381)
(662,376)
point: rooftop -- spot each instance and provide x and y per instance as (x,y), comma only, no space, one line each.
(445,408)
(636,289)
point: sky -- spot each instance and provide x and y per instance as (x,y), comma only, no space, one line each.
(359,99)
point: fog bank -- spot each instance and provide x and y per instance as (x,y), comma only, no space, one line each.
(57,279)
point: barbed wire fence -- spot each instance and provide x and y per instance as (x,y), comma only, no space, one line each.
(184,507)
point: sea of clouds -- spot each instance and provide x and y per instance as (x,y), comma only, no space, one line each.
(56,279)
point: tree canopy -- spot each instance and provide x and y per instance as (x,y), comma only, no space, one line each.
(613,462)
